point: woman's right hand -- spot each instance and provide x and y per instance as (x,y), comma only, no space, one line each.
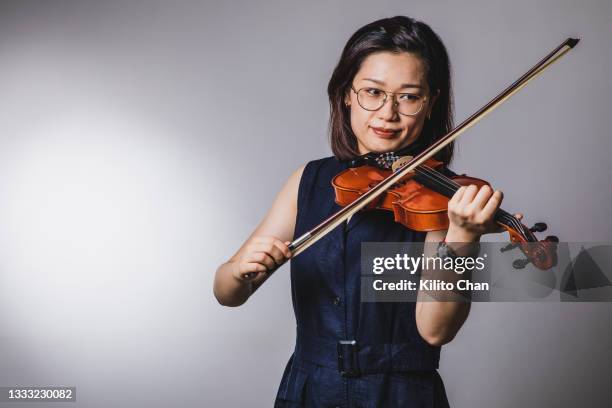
(263,251)
(262,254)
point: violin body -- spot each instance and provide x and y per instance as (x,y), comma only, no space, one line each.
(414,205)
(425,208)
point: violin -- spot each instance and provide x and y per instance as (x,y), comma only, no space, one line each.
(419,201)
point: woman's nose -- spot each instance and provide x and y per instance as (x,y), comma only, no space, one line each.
(389,109)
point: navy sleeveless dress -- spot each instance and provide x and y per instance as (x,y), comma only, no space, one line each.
(350,353)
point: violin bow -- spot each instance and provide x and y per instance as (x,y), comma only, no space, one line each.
(307,239)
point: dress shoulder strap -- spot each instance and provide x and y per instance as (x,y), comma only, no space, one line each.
(315,192)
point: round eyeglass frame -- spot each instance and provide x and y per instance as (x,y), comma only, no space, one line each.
(424,99)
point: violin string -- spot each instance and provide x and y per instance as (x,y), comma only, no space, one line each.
(502,215)
(453,186)
(447,183)
(509,219)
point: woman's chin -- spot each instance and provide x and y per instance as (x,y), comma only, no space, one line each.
(384,145)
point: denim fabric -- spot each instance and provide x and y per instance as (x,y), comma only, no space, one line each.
(394,366)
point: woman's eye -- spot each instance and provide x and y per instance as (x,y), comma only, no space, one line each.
(373,91)
(410,97)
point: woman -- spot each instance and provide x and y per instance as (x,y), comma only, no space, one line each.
(390,95)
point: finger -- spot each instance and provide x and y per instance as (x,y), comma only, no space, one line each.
(261,258)
(264,243)
(282,246)
(277,242)
(492,205)
(277,253)
(458,195)
(271,250)
(468,196)
(249,276)
(482,197)
(518,216)
(251,270)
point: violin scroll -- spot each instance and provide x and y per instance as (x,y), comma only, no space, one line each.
(542,254)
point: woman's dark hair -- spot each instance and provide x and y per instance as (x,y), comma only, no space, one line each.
(396,34)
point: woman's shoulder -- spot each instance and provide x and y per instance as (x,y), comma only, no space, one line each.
(323,169)
(310,166)
(307,172)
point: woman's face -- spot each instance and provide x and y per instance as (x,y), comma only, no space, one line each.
(404,73)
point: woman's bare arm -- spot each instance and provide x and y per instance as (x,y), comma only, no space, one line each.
(438,322)
(471,214)
(263,251)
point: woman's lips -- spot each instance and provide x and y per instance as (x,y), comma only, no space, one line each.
(385,134)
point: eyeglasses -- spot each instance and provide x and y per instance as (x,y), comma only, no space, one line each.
(372,99)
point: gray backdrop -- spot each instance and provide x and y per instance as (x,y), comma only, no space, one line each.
(141,142)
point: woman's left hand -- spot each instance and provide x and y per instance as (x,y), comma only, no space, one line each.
(471,213)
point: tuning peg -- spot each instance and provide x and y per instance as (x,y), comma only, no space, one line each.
(508,247)
(552,238)
(538,227)
(520,263)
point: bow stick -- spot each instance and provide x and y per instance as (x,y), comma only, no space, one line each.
(300,244)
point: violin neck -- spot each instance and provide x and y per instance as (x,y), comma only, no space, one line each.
(446,186)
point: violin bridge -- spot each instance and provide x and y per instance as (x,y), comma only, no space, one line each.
(401,162)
